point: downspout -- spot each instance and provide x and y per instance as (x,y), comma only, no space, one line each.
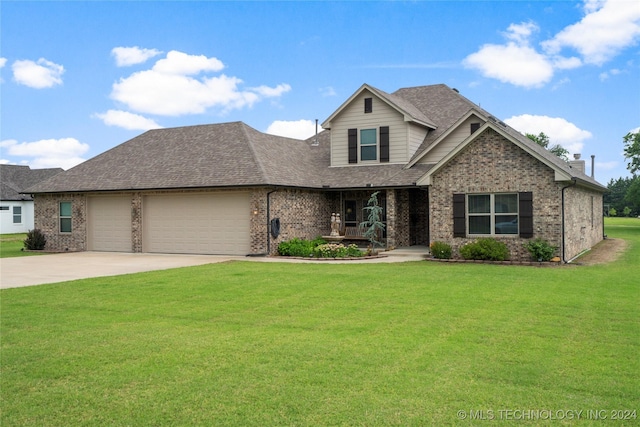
(573,182)
(269,221)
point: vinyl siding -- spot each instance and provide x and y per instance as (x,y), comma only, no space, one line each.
(354,117)
(416,135)
(451,141)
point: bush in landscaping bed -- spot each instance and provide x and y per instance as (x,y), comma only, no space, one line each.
(440,250)
(299,247)
(337,250)
(485,249)
(540,249)
(35,240)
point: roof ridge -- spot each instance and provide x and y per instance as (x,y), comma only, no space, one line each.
(245,127)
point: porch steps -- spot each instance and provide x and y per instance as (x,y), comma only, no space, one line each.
(420,252)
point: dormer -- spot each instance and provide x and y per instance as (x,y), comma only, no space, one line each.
(373,127)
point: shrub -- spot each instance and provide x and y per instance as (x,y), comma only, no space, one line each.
(336,250)
(485,249)
(440,250)
(299,247)
(540,250)
(35,240)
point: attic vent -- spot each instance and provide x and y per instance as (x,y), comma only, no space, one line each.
(456,90)
(315,140)
(368,105)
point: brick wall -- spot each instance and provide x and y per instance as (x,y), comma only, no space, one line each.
(583,220)
(492,164)
(47,219)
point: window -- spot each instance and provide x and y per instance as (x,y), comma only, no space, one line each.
(65,217)
(368,105)
(4,208)
(17,214)
(492,213)
(368,144)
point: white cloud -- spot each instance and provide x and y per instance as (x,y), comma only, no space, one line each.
(3,62)
(559,130)
(38,75)
(511,63)
(183,64)
(170,88)
(126,56)
(299,129)
(127,120)
(607,28)
(328,91)
(47,153)
(515,62)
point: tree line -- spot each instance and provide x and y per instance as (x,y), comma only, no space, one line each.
(623,197)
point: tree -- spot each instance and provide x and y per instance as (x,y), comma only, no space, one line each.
(373,224)
(543,140)
(632,151)
(632,196)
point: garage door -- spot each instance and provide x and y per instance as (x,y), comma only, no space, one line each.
(197,224)
(109,224)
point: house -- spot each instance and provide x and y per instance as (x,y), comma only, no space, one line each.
(446,170)
(16,208)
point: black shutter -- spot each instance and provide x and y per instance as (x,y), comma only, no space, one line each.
(475,127)
(459,216)
(353,145)
(525,210)
(384,143)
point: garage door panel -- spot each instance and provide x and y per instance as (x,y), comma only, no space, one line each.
(200,224)
(109,225)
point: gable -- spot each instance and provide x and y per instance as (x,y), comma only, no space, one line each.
(450,139)
(371,124)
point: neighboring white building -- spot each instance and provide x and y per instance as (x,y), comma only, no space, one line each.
(16,209)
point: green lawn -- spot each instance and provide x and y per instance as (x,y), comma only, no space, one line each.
(11,245)
(261,344)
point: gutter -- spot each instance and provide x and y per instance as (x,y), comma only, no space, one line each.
(573,183)
(269,220)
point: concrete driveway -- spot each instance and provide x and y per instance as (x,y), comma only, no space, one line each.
(41,269)
(54,268)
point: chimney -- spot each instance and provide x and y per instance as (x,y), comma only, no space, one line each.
(576,163)
(315,141)
(593,162)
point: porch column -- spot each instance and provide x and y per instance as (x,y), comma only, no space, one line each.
(391,219)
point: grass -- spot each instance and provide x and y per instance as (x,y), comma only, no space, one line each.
(248,343)
(11,245)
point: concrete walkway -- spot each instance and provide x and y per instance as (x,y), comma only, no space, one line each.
(53,268)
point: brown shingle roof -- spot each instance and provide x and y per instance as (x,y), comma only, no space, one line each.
(234,154)
(15,179)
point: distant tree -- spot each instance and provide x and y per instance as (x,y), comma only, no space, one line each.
(543,140)
(612,212)
(632,196)
(624,192)
(632,151)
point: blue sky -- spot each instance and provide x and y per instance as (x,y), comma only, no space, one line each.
(79,78)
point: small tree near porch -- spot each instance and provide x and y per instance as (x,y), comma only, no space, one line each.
(373,226)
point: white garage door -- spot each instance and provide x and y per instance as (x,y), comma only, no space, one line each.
(197,224)
(109,226)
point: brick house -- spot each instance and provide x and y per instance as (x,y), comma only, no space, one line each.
(446,170)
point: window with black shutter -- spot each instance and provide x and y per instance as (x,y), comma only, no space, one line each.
(384,143)
(353,145)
